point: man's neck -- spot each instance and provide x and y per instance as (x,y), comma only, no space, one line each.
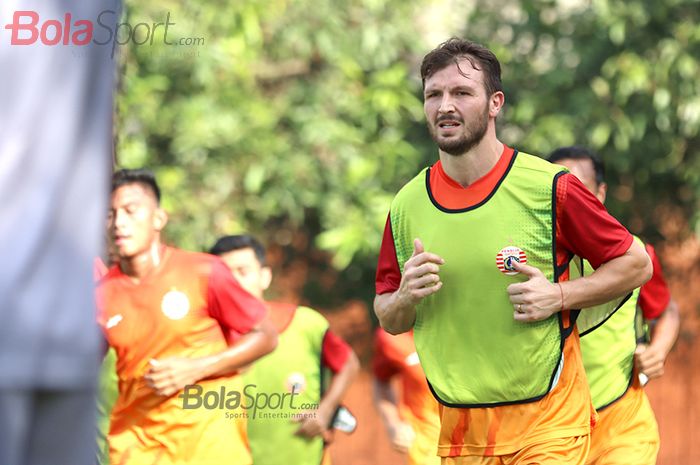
(474,164)
(140,265)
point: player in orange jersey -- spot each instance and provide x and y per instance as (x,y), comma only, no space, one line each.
(164,311)
(413,423)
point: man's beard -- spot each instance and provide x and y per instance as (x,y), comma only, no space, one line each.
(459,145)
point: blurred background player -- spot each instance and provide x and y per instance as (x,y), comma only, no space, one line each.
(412,423)
(107,393)
(56,107)
(163,310)
(627,431)
(307,355)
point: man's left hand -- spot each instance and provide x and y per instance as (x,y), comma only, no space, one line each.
(535,299)
(313,423)
(649,360)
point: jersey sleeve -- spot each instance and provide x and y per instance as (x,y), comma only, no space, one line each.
(384,367)
(235,309)
(584,226)
(388,276)
(334,352)
(654,295)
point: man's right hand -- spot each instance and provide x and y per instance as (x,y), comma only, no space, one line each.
(396,311)
(420,276)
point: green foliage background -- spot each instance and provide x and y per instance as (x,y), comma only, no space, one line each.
(299,120)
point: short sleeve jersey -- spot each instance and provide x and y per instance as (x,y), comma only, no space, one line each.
(178,310)
(583,228)
(654,295)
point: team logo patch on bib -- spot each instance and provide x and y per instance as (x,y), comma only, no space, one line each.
(296,383)
(175,305)
(506,257)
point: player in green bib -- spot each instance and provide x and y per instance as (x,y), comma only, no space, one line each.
(475,258)
(106,396)
(627,431)
(310,362)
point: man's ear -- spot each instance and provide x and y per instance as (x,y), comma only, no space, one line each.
(265,278)
(160,219)
(496,102)
(602,192)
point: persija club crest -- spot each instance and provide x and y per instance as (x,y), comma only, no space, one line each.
(506,257)
(296,383)
(175,305)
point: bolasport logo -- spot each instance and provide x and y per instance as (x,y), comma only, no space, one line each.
(248,403)
(29,28)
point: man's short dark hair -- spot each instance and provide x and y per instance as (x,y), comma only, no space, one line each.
(455,49)
(238,242)
(577,152)
(141,176)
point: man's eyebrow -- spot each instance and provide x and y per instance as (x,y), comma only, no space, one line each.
(128,204)
(451,89)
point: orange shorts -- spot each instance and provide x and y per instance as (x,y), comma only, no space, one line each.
(326,459)
(423,451)
(626,432)
(560,451)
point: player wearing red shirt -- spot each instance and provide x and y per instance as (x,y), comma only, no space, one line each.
(162,310)
(659,308)
(627,431)
(463,97)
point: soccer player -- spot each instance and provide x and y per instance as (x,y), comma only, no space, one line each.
(475,259)
(626,431)
(413,424)
(163,310)
(307,354)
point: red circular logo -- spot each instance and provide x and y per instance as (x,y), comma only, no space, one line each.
(506,257)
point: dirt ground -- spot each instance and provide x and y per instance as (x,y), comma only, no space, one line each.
(674,396)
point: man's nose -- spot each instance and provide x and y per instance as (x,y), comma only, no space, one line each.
(119,219)
(446,104)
